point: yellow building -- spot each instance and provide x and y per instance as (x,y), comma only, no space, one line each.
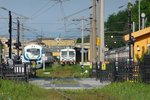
(50,42)
(142,42)
(59,42)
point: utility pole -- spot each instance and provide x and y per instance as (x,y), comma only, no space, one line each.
(130,31)
(101,48)
(139,14)
(91,39)
(18,38)
(94,48)
(22,39)
(1,53)
(82,43)
(10,35)
(98,35)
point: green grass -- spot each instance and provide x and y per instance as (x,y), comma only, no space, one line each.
(58,71)
(10,90)
(116,91)
(129,91)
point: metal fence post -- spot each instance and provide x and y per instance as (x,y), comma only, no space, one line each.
(25,72)
(114,72)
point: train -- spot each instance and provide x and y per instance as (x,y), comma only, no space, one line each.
(47,53)
(32,52)
(37,53)
(117,54)
(67,56)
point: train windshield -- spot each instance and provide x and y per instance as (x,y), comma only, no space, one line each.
(34,51)
(64,54)
(71,53)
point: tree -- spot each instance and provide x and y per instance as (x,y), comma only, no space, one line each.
(86,39)
(117,24)
(79,40)
(145,8)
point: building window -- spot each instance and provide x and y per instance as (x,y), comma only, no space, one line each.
(138,48)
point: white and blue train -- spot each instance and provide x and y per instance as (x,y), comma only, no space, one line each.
(33,52)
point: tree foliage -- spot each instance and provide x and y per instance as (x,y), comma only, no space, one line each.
(145,8)
(86,39)
(117,24)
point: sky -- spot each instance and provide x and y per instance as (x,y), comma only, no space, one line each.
(46,17)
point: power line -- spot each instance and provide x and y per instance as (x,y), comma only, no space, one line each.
(40,9)
(76,29)
(120,32)
(35,16)
(78,12)
(21,16)
(44,23)
(63,13)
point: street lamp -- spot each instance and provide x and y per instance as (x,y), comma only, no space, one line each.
(143,20)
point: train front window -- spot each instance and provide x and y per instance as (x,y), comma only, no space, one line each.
(64,53)
(34,51)
(71,53)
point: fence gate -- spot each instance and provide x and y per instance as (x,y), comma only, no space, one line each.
(122,70)
(15,72)
(145,69)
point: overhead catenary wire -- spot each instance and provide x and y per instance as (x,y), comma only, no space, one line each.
(66,17)
(75,21)
(40,9)
(37,15)
(63,13)
(45,23)
(31,30)
(20,16)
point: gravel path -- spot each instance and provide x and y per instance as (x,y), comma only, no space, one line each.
(81,83)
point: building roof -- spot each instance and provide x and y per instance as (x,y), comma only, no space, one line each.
(138,33)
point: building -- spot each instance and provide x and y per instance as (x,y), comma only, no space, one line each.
(142,42)
(51,42)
